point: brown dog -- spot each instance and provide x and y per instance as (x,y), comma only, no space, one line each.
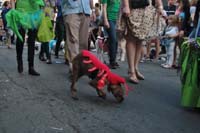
(80,68)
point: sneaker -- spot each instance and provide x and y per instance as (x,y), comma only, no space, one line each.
(48,61)
(56,56)
(33,72)
(162,58)
(112,66)
(141,61)
(41,58)
(167,66)
(147,59)
(163,64)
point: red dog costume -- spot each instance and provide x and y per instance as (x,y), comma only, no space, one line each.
(104,72)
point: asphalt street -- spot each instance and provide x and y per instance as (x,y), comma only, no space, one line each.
(43,104)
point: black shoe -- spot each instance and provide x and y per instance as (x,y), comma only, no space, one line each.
(20,69)
(116,64)
(41,58)
(33,72)
(56,56)
(176,66)
(112,66)
(162,52)
(20,66)
(48,61)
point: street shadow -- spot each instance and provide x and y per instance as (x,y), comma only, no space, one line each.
(191,110)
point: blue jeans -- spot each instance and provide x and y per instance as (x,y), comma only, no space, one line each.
(192,34)
(113,45)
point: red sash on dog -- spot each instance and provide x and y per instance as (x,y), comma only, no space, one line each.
(104,71)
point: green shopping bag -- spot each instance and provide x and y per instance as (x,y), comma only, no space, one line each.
(45,31)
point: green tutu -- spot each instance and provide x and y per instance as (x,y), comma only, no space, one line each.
(27,15)
(16,19)
(190,74)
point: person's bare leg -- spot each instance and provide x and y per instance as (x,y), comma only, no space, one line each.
(138,54)
(131,52)
(137,59)
(123,50)
(142,52)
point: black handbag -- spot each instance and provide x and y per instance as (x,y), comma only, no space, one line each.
(135,4)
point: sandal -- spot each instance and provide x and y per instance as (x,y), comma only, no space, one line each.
(133,78)
(139,75)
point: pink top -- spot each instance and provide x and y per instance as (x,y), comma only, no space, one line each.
(178,11)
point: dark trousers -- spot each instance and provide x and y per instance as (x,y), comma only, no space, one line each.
(12,39)
(45,49)
(60,34)
(113,45)
(31,45)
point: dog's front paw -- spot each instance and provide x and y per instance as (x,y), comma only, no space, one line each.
(120,99)
(102,95)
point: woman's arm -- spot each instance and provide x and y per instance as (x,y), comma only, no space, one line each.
(125,3)
(159,5)
(126,8)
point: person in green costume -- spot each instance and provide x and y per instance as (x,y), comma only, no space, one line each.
(190,68)
(110,16)
(25,17)
(49,11)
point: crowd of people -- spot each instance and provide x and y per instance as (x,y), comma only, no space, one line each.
(126,23)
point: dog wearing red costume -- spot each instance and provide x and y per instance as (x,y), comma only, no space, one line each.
(88,64)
